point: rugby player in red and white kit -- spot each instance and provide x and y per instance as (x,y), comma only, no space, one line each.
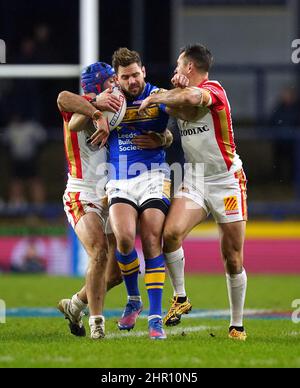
(85,198)
(214,180)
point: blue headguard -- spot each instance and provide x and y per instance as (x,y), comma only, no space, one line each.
(94,76)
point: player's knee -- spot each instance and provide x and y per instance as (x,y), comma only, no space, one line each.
(126,244)
(172,235)
(233,258)
(232,251)
(151,243)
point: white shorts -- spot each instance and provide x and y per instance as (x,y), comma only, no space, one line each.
(138,191)
(77,204)
(225,196)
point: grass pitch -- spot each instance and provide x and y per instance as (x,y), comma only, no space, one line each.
(46,342)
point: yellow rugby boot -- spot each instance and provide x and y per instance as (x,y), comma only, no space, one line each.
(237,333)
(178,307)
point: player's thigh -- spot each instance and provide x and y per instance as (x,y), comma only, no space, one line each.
(152,222)
(89,230)
(183,216)
(232,237)
(123,219)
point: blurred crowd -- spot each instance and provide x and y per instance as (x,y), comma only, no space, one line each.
(24,139)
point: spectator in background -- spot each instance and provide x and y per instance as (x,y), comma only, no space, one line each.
(27,51)
(24,139)
(27,90)
(287,113)
(37,48)
(44,46)
(30,259)
(286,116)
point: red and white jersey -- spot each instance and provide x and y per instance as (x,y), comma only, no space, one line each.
(209,140)
(86,163)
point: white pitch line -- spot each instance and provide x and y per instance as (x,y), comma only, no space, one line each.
(170,331)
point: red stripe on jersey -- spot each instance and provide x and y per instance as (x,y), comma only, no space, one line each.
(80,207)
(71,211)
(75,207)
(76,151)
(220,141)
(66,148)
(229,121)
(67,116)
(72,148)
(224,133)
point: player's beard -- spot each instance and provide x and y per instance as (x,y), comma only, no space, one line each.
(132,95)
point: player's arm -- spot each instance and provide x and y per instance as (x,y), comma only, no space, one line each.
(169,138)
(79,122)
(179,98)
(152,140)
(98,123)
(186,113)
(70,102)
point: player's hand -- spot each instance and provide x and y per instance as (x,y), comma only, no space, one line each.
(148,141)
(102,133)
(180,81)
(107,101)
(143,108)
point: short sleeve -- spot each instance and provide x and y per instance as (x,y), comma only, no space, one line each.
(217,94)
(68,115)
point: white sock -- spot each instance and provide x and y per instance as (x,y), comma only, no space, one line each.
(94,317)
(77,305)
(175,263)
(237,286)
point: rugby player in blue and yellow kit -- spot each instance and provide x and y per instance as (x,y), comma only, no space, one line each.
(139,193)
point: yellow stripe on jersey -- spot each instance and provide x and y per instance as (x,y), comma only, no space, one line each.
(225,134)
(132,114)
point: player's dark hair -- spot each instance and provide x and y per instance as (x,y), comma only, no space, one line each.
(199,55)
(125,57)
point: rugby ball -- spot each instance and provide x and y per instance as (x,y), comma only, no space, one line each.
(114,119)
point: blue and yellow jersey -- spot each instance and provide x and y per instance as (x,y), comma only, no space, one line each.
(127,159)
